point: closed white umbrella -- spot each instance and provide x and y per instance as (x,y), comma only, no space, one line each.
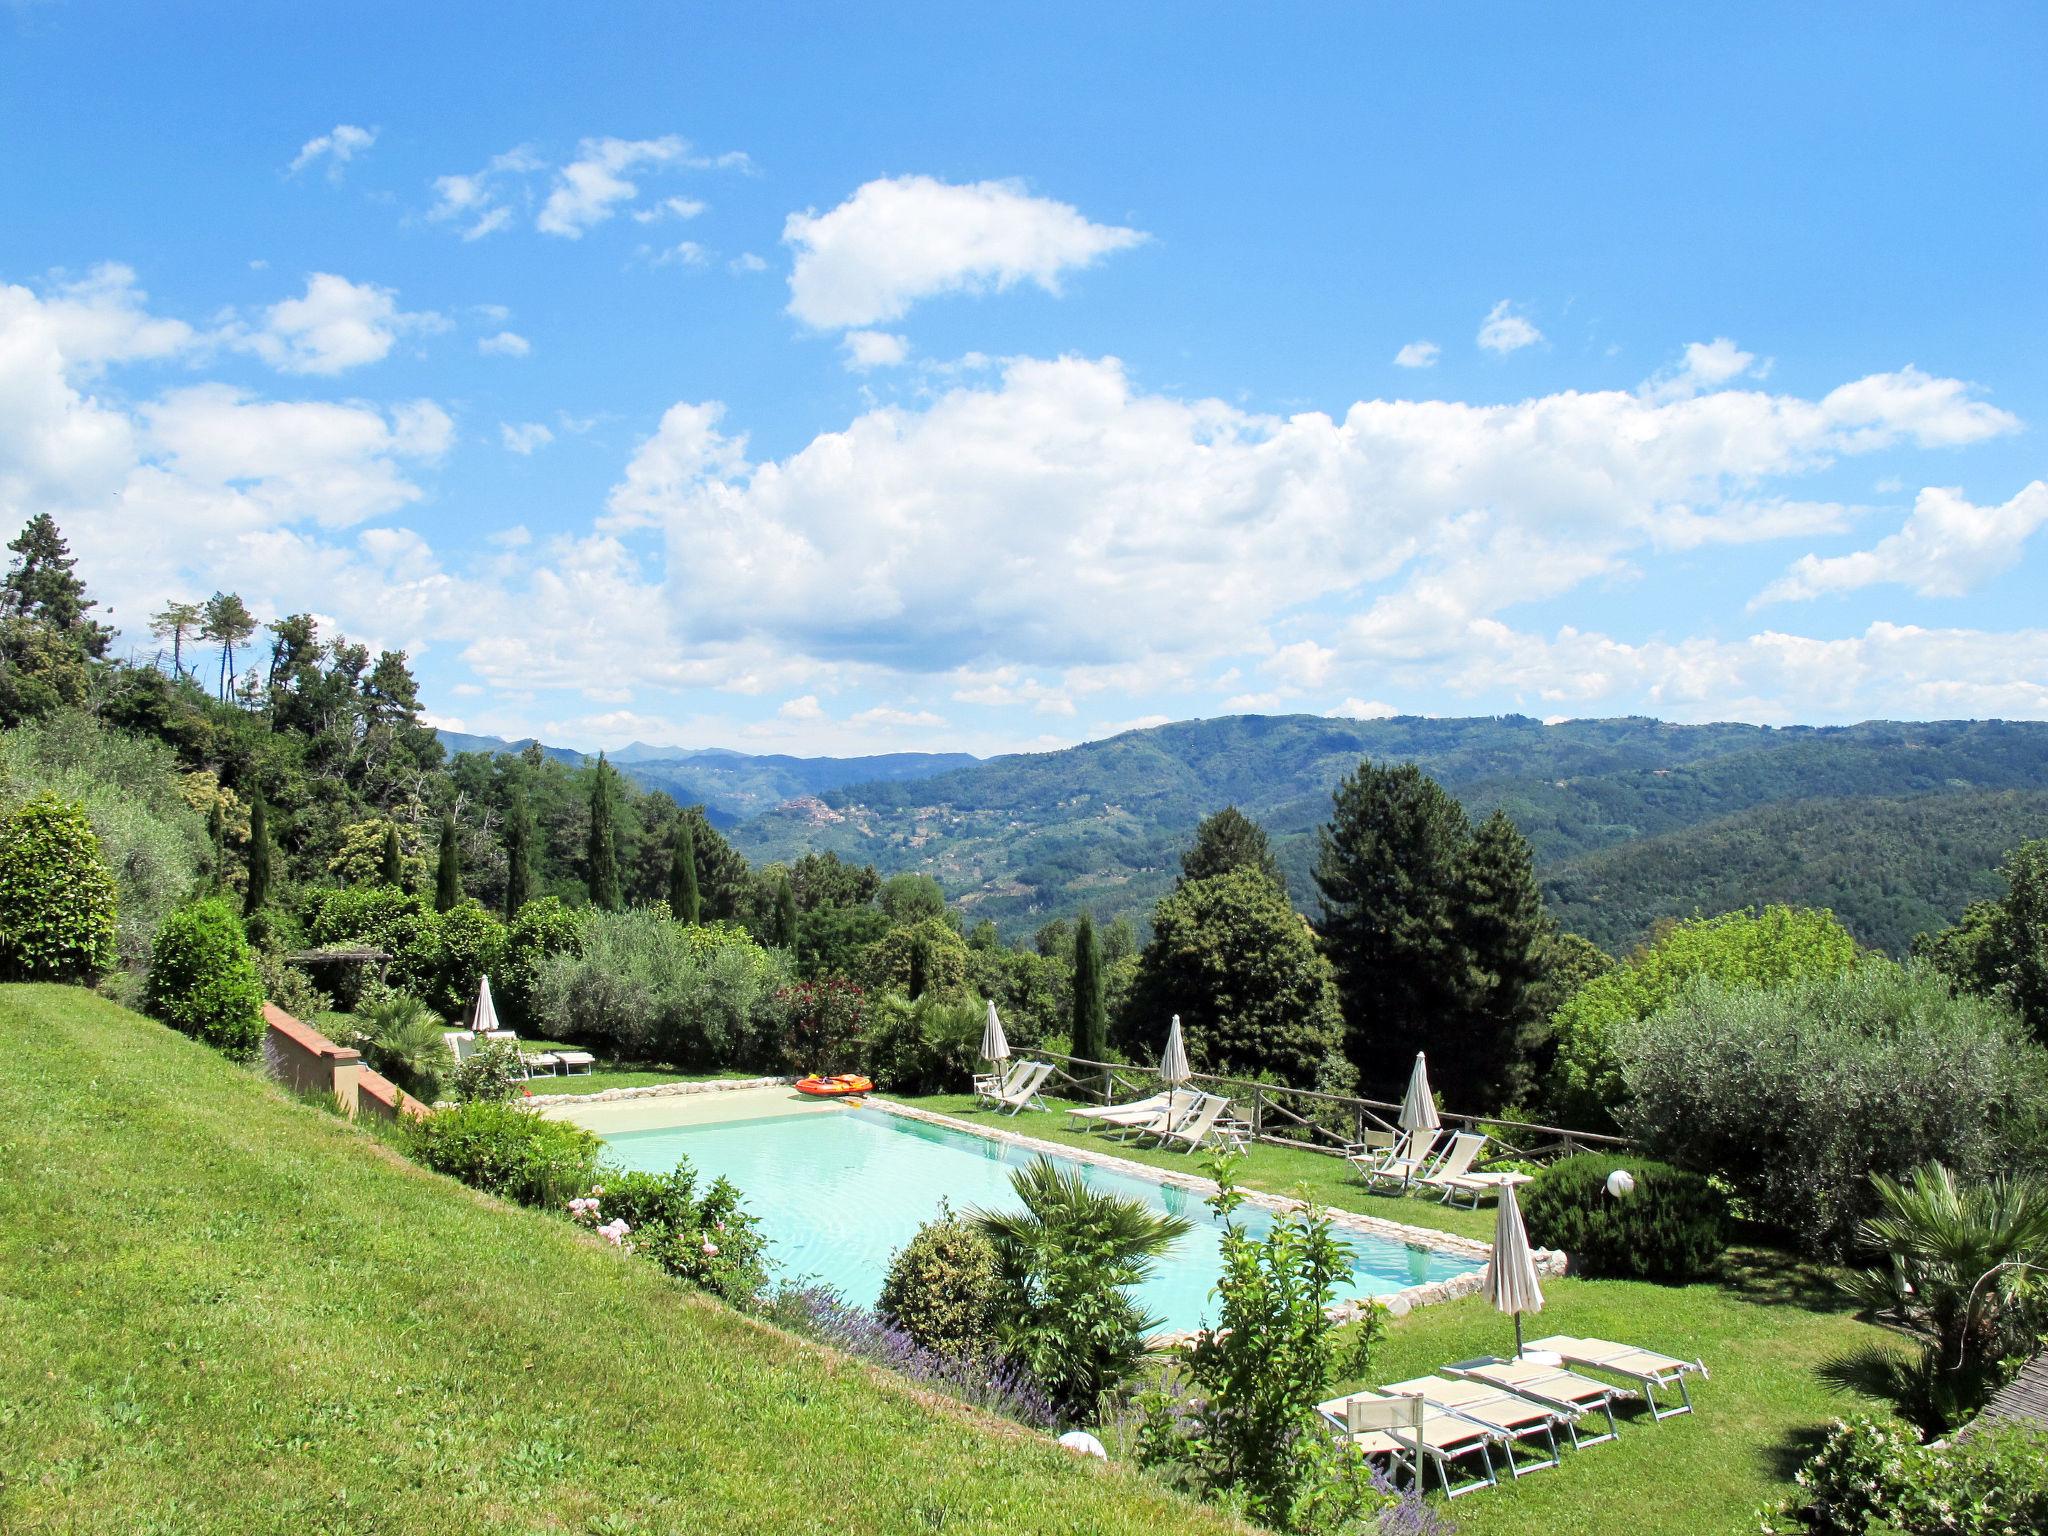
(486,1017)
(1173,1063)
(1511,1283)
(1418,1109)
(994,1047)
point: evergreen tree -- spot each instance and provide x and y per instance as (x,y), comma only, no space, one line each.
(448,870)
(1484,1059)
(1387,869)
(1091,1020)
(392,866)
(601,852)
(684,904)
(217,834)
(227,623)
(920,967)
(43,587)
(518,855)
(175,622)
(1230,840)
(785,913)
(259,858)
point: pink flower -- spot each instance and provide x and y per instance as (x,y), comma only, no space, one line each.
(614,1231)
(709,1247)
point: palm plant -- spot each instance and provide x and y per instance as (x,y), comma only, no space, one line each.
(1958,1274)
(403,1039)
(1064,1264)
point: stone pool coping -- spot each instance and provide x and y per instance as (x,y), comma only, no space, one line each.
(1549,1261)
(663,1090)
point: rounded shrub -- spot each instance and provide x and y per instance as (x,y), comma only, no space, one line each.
(203,980)
(1672,1226)
(943,1289)
(57,896)
(506,1150)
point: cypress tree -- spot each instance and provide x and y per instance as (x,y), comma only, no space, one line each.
(1091,1020)
(392,866)
(915,987)
(785,913)
(601,853)
(1388,868)
(518,856)
(1503,930)
(217,834)
(448,869)
(259,858)
(684,903)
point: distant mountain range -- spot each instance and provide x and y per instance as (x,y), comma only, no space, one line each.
(1895,826)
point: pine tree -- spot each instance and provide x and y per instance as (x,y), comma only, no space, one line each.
(785,913)
(43,586)
(601,852)
(448,871)
(227,623)
(392,867)
(175,622)
(1230,840)
(1387,869)
(1483,1060)
(684,904)
(1091,1018)
(259,858)
(518,855)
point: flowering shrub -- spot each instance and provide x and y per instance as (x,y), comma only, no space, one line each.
(984,1380)
(824,1025)
(707,1239)
(1870,1476)
(490,1074)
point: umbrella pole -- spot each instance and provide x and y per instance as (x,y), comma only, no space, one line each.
(1518,1335)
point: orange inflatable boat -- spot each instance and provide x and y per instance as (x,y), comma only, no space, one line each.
(834,1087)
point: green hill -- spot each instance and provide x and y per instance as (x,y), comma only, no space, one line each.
(1024,837)
(229,1312)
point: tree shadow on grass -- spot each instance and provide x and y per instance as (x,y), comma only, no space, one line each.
(1773,1277)
(1785,1457)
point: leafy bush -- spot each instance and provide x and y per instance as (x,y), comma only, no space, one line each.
(407,1042)
(927,956)
(57,898)
(471,946)
(539,930)
(1672,1226)
(824,1026)
(709,1240)
(289,987)
(490,1074)
(403,925)
(942,1287)
(1767,949)
(202,979)
(506,1150)
(929,1046)
(1796,1096)
(1870,1477)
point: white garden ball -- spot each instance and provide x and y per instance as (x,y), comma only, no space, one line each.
(1081,1443)
(1620,1182)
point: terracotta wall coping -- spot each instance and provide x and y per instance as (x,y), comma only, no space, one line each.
(306,1038)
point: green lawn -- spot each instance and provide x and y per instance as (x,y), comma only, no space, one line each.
(1765,1332)
(604,1074)
(226,1311)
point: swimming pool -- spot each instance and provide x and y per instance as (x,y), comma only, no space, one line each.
(837,1193)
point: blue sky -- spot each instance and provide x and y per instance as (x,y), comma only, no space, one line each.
(915,376)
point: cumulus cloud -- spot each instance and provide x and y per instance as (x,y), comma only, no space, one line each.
(1705,365)
(523,437)
(687,253)
(669,208)
(590,188)
(1947,546)
(480,203)
(1417,354)
(873,349)
(897,241)
(1504,330)
(336,147)
(897,719)
(504,344)
(746,262)
(332,327)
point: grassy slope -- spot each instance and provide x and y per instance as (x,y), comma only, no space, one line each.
(1764,1332)
(228,1312)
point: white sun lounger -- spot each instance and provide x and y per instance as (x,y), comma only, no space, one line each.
(1400,1163)
(991,1085)
(1515,1416)
(1022,1090)
(1414,1436)
(1550,1384)
(1137,1112)
(1653,1371)
(1464,1149)
(1195,1128)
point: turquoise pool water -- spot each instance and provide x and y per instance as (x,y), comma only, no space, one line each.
(838,1193)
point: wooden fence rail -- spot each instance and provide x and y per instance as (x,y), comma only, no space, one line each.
(1318,1121)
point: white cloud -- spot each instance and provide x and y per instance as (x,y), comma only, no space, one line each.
(687,253)
(873,349)
(1947,546)
(1417,354)
(523,437)
(1705,365)
(337,147)
(669,208)
(589,189)
(897,241)
(804,707)
(1363,709)
(1504,331)
(480,202)
(747,261)
(897,719)
(504,344)
(334,326)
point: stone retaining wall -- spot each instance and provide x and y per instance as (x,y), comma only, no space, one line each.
(306,1061)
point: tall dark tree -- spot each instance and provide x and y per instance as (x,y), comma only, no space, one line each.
(920,968)
(448,868)
(518,854)
(601,851)
(1486,1059)
(1091,1016)
(1230,840)
(217,834)
(785,913)
(684,903)
(391,867)
(1388,866)
(42,586)
(259,858)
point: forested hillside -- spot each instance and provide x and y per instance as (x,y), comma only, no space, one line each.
(1020,838)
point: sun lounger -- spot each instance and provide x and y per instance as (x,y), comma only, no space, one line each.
(1655,1372)
(1454,1164)
(530,1062)
(1473,1185)
(1409,1156)
(1194,1129)
(1516,1417)
(1137,1112)
(1414,1436)
(991,1085)
(1550,1384)
(1022,1089)
(576,1063)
